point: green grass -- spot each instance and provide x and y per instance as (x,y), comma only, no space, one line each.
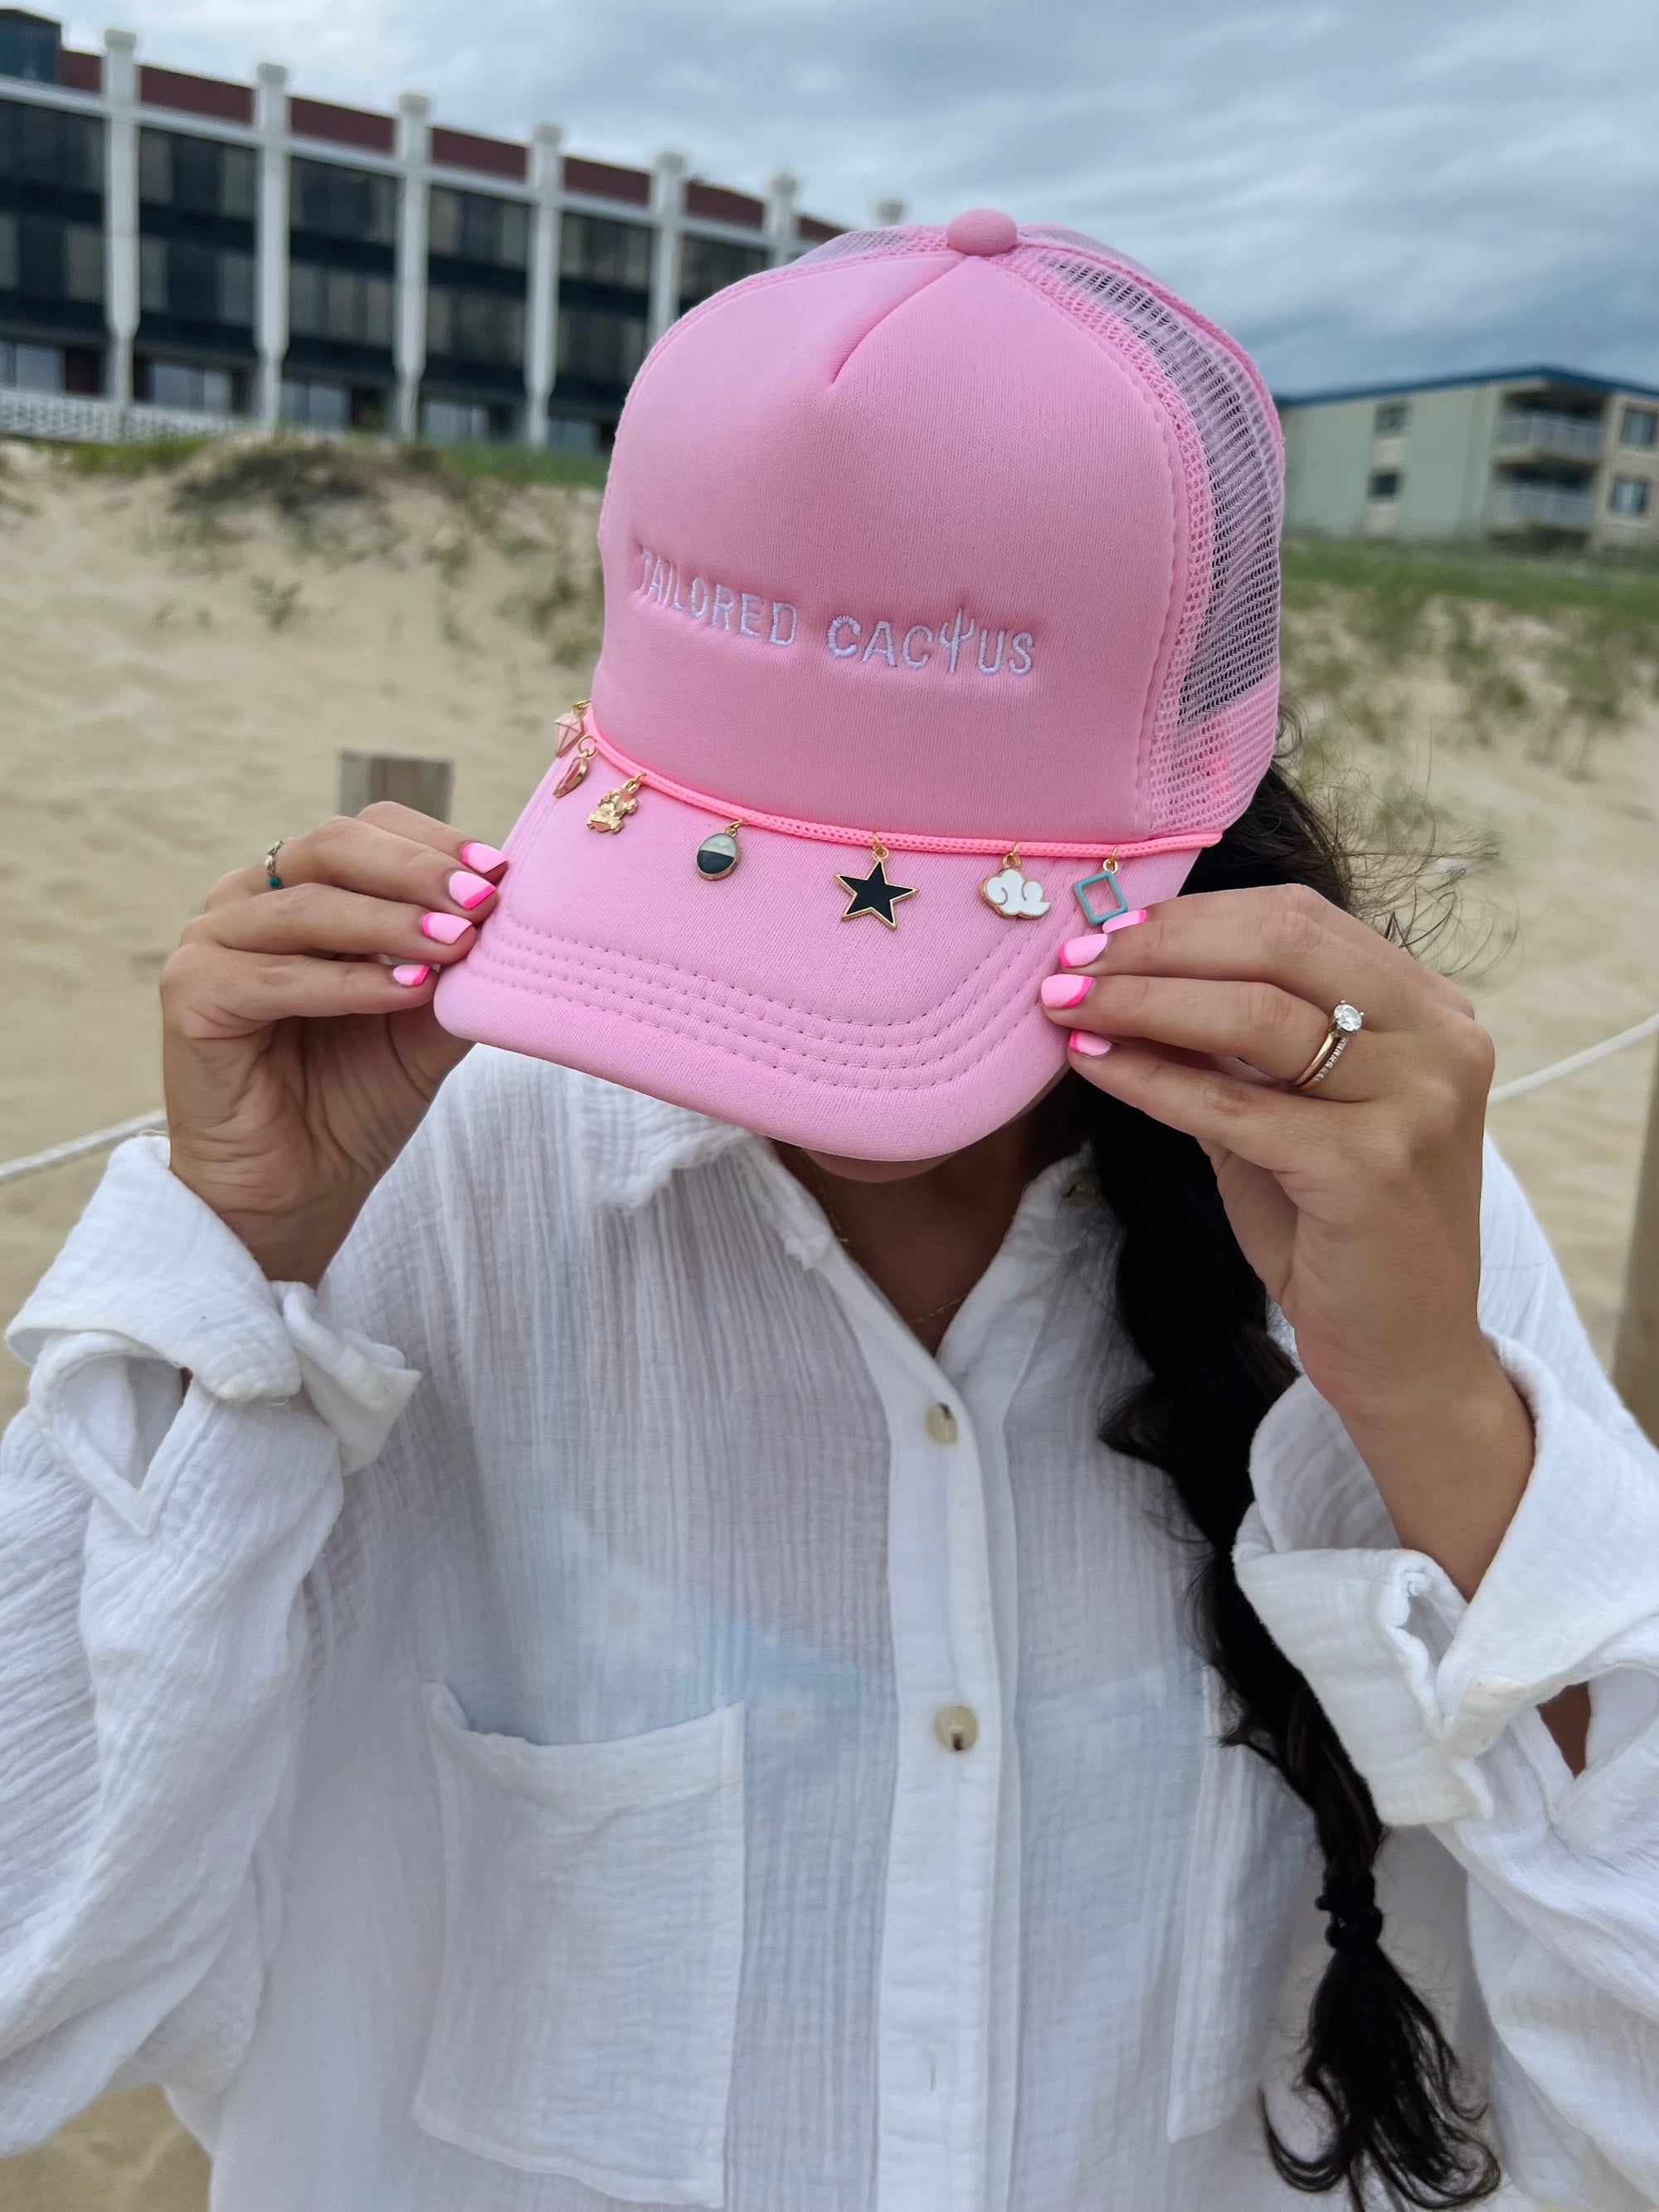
(450,467)
(1617,594)
(518,464)
(136,457)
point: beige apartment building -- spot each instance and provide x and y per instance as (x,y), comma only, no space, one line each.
(1540,456)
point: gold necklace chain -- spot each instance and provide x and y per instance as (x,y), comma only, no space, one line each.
(910,1321)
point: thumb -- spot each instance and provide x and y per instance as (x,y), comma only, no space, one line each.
(427,1050)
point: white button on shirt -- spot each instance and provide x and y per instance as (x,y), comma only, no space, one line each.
(589,1712)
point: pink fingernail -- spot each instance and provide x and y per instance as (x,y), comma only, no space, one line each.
(483,857)
(447,928)
(1087,1045)
(1065,990)
(468,890)
(1080,951)
(412,975)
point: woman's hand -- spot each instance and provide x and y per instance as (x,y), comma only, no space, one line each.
(1356,1201)
(299,1046)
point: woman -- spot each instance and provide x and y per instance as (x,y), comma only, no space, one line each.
(834,1620)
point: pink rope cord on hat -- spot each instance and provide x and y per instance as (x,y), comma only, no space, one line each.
(898,840)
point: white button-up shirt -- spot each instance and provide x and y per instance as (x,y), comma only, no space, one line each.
(587,1710)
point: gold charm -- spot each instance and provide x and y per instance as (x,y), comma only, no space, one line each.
(614,808)
(1015,896)
(571,725)
(577,769)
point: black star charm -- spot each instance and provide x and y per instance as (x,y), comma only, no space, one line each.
(873,893)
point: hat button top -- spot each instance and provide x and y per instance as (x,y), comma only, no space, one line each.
(983,230)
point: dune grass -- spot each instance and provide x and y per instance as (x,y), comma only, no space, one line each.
(1621,595)
(524,465)
(506,465)
(1562,646)
(132,456)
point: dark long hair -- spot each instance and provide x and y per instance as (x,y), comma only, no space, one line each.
(1398,2117)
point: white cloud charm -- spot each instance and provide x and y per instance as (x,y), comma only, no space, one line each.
(1014,895)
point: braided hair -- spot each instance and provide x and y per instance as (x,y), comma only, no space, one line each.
(1398,2117)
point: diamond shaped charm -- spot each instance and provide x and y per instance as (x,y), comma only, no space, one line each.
(1119,904)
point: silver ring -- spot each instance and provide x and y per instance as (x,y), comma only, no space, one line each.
(273,881)
(1346,1022)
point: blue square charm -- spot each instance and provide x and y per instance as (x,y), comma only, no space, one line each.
(1120,904)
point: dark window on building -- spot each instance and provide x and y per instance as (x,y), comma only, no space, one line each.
(605,252)
(478,227)
(200,283)
(310,403)
(1384,484)
(339,303)
(1640,427)
(474,325)
(186,385)
(464,421)
(46,259)
(1391,418)
(198,175)
(342,203)
(30,368)
(709,264)
(600,348)
(572,434)
(83,262)
(45,146)
(28,47)
(1629,495)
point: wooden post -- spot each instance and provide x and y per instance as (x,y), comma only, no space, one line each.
(1636,1354)
(425,785)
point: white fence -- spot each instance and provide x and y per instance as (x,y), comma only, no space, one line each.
(99,422)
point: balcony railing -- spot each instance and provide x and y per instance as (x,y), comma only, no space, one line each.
(28,414)
(1538,506)
(1568,437)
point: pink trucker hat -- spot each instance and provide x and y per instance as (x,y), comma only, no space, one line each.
(941,586)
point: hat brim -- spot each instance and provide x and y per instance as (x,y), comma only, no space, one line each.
(750,999)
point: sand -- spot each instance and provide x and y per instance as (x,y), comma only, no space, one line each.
(174,694)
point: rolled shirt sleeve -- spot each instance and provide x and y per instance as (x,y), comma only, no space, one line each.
(1435,1699)
(1418,1683)
(150,1278)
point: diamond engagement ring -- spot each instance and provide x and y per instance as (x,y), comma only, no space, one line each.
(1345,1020)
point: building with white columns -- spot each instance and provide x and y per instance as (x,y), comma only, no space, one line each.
(217,249)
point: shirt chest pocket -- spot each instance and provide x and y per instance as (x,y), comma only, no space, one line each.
(594,1934)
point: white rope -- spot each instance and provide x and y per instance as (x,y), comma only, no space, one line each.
(99,1142)
(100,1139)
(1588,1058)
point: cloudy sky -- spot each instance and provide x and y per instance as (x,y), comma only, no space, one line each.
(1361,189)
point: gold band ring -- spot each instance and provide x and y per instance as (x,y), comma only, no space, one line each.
(1346,1022)
(273,881)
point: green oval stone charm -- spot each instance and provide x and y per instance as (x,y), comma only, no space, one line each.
(718,854)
